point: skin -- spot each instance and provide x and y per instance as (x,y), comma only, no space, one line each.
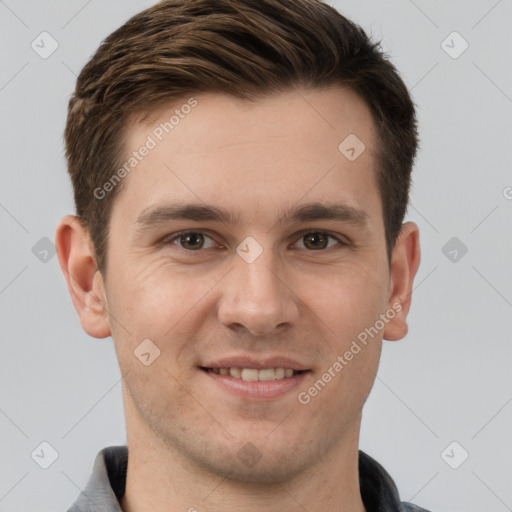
(256,160)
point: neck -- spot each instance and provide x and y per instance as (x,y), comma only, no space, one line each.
(160,479)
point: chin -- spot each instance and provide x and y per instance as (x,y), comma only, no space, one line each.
(253,459)
(266,470)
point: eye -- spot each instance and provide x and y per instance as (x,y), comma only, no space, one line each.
(191,241)
(194,241)
(319,240)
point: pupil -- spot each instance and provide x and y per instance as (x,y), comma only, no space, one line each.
(190,238)
(313,239)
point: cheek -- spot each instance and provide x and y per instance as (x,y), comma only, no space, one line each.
(348,300)
(169,307)
(156,393)
(152,299)
(349,303)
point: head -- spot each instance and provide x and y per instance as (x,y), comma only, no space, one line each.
(243,107)
(247,50)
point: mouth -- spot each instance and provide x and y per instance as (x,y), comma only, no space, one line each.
(255,380)
(254,374)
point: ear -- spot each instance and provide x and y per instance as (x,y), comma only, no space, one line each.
(85,282)
(405,261)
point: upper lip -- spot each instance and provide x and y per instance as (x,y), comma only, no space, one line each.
(258,363)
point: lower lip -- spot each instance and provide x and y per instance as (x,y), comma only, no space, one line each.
(260,390)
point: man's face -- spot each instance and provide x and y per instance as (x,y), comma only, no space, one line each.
(212,299)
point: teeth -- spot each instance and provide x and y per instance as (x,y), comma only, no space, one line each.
(235,372)
(250,375)
(267,374)
(254,375)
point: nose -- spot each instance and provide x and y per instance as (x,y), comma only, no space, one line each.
(258,298)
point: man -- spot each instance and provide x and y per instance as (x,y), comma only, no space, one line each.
(241,173)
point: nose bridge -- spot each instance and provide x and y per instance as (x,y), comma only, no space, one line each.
(260,279)
(257,296)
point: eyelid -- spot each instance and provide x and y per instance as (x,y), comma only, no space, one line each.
(168,240)
(342,241)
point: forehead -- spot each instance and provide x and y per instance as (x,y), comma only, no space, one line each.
(252,157)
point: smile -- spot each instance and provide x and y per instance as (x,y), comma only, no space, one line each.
(254,374)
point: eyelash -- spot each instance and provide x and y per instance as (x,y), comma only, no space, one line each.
(177,236)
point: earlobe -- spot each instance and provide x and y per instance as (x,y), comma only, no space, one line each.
(405,261)
(85,282)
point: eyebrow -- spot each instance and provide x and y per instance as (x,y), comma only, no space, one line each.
(161,214)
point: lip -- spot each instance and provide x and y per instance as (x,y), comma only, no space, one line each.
(243,361)
(258,391)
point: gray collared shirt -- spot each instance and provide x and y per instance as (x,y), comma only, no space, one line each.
(107,484)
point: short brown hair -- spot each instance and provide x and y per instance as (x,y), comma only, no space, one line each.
(244,48)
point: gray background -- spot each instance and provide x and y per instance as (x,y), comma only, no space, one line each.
(449,380)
